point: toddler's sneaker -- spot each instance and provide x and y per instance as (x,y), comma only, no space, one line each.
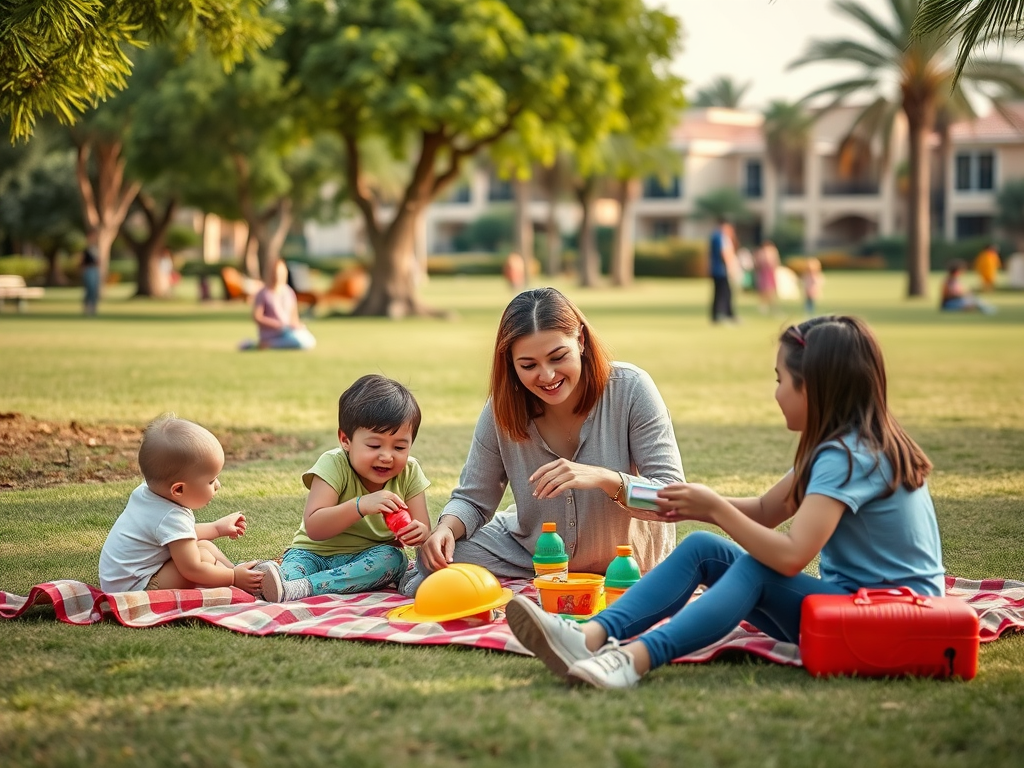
(558,642)
(273,583)
(610,668)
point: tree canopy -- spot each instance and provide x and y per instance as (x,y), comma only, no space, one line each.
(977,22)
(62,57)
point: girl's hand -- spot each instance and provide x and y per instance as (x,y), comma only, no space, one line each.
(439,548)
(688,501)
(382,502)
(561,474)
(246,578)
(414,534)
(231,526)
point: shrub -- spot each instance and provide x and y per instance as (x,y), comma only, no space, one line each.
(673,257)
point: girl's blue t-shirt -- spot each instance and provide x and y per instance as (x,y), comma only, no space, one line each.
(879,542)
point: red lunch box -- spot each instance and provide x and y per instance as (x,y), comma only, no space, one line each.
(887,633)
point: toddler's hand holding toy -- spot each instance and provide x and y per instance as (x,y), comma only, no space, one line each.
(232,525)
(382,501)
(414,534)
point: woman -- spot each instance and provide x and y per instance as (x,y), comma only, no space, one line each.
(276,312)
(567,429)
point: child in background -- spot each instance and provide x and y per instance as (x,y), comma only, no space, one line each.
(957,297)
(812,280)
(156,543)
(343,544)
(857,495)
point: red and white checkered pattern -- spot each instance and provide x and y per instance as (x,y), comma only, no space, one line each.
(363,616)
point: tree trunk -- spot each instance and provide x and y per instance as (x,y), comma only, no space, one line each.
(920,116)
(105,204)
(524,225)
(150,281)
(553,234)
(587,255)
(54,274)
(392,291)
(624,250)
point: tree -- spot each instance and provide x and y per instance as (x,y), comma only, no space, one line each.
(455,77)
(62,57)
(787,130)
(725,203)
(977,22)
(723,91)
(920,65)
(1011,210)
(39,203)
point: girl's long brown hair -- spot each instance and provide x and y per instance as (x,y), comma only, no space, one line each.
(838,362)
(541,309)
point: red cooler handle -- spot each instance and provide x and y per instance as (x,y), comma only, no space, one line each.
(866,596)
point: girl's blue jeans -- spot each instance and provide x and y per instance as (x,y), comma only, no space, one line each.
(738,588)
(371,569)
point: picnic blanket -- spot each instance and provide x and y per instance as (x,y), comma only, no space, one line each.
(363,616)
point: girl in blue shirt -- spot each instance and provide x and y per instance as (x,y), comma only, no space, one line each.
(857,495)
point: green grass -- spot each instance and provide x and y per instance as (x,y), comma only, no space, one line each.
(188,695)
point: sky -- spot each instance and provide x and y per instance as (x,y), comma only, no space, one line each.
(755,40)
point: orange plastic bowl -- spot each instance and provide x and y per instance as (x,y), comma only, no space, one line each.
(582,595)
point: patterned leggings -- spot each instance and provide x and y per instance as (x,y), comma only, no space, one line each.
(371,569)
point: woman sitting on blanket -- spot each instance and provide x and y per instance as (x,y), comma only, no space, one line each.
(857,495)
(566,428)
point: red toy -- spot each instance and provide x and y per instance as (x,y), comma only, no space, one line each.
(397,520)
(888,632)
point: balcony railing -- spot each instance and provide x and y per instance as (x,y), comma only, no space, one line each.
(853,187)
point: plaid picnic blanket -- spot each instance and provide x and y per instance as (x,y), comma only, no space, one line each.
(363,616)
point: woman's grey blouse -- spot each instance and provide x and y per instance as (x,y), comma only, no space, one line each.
(629,430)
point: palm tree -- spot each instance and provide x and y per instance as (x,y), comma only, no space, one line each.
(976,21)
(722,92)
(921,65)
(787,130)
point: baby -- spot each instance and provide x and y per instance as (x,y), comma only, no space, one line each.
(155,542)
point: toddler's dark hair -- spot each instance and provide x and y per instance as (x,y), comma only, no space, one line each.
(378,404)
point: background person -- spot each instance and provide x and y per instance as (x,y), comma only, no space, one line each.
(566,429)
(275,309)
(90,264)
(857,495)
(722,258)
(957,297)
(987,264)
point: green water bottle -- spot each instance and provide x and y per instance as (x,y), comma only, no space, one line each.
(550,560)
(623,572)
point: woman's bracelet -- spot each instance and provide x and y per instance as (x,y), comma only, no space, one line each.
(358,512)
(618,491)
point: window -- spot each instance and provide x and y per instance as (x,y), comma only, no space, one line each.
(975,171)
(662,229)
(653,187)
(500,189)
(973,226)
(752,180)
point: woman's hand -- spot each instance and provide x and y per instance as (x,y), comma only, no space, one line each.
(561,475)
(689,501)
(439,547)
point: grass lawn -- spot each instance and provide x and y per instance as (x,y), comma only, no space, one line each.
(191,695)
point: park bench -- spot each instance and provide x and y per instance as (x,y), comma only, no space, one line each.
(13,287)
(237,285)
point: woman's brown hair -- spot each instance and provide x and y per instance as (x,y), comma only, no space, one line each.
(838,363)
(541,309)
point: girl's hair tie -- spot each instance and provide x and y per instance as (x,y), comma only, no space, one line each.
(795,334)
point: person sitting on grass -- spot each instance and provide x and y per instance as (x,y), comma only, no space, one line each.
(957,297)
(275,309)
(156,543)
(857,495)
(343,544)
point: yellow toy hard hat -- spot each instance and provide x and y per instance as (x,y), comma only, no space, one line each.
(460,590)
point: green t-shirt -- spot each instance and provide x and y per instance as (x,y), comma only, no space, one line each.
(333,468)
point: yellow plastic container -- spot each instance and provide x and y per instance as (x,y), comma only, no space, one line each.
(582,595)
(552,571)
(611,594)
